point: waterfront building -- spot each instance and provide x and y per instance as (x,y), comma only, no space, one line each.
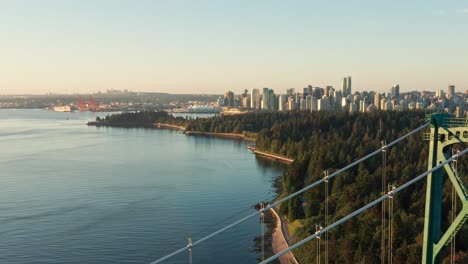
(229,99)
(220,101)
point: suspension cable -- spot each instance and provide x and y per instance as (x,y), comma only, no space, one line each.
(364,208)
(290,196)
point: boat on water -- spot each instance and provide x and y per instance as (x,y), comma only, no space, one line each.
(65,108)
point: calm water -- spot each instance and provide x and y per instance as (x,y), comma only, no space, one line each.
(76,194)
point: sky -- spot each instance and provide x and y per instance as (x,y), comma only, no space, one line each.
(211,46)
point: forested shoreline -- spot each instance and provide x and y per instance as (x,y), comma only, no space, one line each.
(329,141)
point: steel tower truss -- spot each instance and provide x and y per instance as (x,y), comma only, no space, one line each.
(445,132)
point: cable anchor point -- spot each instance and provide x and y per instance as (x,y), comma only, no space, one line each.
(384,145)
(318,231)
(391,191)
(190,245)
(262,209)
(325,178)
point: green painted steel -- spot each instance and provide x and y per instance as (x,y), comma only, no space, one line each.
(444,133)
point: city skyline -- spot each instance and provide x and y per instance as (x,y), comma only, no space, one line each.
(209,47)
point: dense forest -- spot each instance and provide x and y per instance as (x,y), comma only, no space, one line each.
(141,119)
(328,141)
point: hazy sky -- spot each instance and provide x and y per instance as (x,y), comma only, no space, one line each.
(210,46)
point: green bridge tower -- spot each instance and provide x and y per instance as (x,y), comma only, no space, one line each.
(445,132)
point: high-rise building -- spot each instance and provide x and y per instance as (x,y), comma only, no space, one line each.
(395,92)
(313,104)
(266,99)
(440,94)
(349,85)
(291,104)
(291,92)
(318,92)
(281,102)
(307,91)
(302,104)
(272,100)
(377,100)
(255,101)
(344,86)
(269,101)
(451,92)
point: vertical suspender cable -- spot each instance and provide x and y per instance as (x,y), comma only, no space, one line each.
(326,215)
(390,225)
(190,249)
(383,187)
(454,208)
(262,208)
(318,230)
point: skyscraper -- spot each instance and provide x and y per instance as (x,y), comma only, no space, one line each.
(346,86)
(349,85)
(395,92)
(266,98)
(451,92)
